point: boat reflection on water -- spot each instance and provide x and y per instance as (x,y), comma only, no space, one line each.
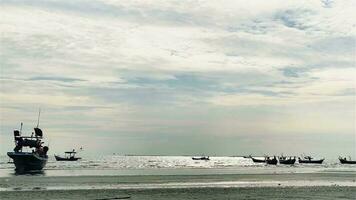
(31,173)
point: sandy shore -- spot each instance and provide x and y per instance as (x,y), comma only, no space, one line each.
(220,186)
(331,192)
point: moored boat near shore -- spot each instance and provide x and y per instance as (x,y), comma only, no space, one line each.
(286,161)
(255,160)
(29,161)
(272,161)
(345,161)
(310,160)
(201,158)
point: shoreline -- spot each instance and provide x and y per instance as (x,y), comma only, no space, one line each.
(39,182)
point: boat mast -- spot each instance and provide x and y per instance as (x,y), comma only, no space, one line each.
(38,119)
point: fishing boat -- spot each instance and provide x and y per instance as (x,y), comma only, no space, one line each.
(345,161)
(34,160)
(286,161)
(272,161)
(310,160)
(255,160)
(201,158)
(68,156)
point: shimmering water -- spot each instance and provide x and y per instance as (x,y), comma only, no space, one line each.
(178,177)
(141,165)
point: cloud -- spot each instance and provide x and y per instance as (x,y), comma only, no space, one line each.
(62,79)
(133,64)
(295,18)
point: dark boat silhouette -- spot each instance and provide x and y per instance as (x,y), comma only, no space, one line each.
(29,161)
(255,160)
(68,156)
(201,158)
(345,161)
(272,161)
(310,160)
(286,161)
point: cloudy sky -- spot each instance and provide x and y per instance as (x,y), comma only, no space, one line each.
(180,77)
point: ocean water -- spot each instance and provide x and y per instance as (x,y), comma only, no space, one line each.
(172,165)
(178,177)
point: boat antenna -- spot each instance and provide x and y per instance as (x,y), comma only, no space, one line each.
(21,128)
(38,119)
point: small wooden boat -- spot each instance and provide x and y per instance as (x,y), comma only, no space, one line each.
(272,161)
(309,160)
(345,161)
(286,161)
(69,156)
(201,158)
(255,160)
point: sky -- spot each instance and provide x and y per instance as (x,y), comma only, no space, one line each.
(183,77)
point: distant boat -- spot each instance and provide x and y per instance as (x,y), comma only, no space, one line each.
(201,158)
(286,161)
(68,156)
(309,160)
(255,160)
(345,161)
(272,161)
(29,161)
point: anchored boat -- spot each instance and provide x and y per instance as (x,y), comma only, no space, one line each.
(272,161)
(310,160)
(286,161)
(255,160)
(201,158)
(68,156)
(345,161)
(34,160)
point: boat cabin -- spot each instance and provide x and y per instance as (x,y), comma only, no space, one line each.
(70,154)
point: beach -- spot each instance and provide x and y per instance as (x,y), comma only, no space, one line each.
(192,193)
(137,178)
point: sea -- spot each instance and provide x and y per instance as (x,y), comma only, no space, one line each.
(178,177)
(171,165)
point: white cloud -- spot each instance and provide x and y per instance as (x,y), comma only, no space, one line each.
(139,54)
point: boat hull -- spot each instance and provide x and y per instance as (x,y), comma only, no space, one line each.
(58,158)
(311,161)
(343,161)
(272,161)
(202,158)
(25,161)
(287,161)
(258,160)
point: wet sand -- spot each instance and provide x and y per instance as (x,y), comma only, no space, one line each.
(330,192)
(338,185)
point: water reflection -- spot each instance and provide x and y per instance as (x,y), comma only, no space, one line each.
(29,173)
